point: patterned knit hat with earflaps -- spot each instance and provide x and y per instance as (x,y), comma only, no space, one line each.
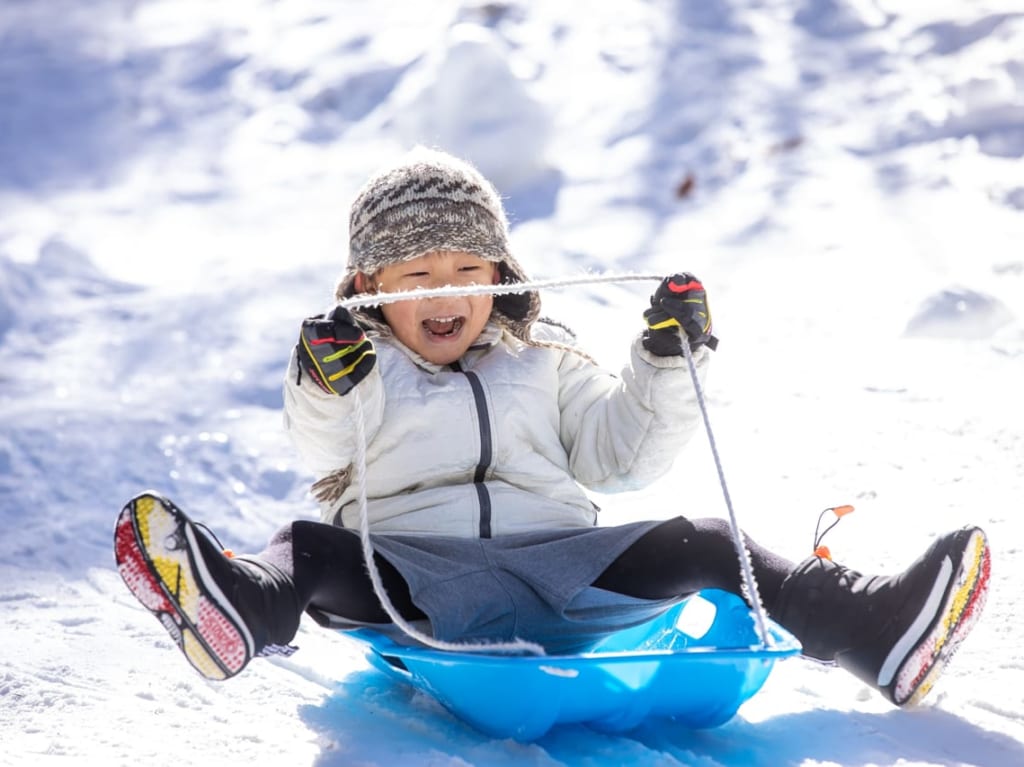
(431,202)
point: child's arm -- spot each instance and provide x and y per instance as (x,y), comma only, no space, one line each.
(330,359)
(623,432)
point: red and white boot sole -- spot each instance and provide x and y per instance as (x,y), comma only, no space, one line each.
(962,605)
(157,556)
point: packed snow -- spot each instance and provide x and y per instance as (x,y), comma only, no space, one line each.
(846,176)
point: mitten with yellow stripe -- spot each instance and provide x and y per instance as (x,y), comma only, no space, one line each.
(679,304)
(335,352)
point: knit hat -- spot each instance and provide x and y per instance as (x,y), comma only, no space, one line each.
(430,202)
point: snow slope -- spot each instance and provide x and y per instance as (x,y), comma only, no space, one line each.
(847,176)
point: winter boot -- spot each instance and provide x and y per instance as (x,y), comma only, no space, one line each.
(220,611)
(894,633)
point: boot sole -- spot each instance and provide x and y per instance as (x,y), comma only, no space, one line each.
(159,561)
(962,605)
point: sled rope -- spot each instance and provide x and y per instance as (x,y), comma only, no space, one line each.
(746,568)
(519,646)
(376,299)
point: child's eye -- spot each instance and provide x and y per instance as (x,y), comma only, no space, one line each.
(473,268)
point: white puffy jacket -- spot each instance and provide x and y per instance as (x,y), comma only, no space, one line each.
(497,442)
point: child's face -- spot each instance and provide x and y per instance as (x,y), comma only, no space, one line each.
(438,329)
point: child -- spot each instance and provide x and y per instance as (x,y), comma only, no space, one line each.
(480,422)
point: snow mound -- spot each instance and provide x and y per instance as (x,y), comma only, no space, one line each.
(16,290)
(834,18)
(959,313)
(468,99)
(983,83)
(61,272)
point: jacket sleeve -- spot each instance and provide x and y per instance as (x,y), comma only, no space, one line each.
(323,426)
(623,432)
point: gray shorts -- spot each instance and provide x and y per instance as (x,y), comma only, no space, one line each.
(533,586)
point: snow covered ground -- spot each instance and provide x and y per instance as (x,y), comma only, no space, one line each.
(847,176)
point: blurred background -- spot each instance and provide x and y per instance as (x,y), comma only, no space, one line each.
(846,177)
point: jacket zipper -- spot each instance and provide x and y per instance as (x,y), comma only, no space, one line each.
(484,463)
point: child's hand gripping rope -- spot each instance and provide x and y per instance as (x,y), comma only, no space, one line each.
(334,352)
(679,302)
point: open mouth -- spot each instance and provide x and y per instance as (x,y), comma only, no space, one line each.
(444,326)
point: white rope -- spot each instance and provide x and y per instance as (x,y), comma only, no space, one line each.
(520,646)
(746,568)
(376,299)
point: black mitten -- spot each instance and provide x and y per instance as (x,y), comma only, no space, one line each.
(335,352)
(679,302)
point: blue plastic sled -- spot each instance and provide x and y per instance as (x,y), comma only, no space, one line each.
(697,664)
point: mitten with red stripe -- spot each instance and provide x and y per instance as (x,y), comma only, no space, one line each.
(335,352)
(679,303)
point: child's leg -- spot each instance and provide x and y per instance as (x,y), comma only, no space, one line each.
(327,567)
(893,632)
(683,556)
(222,611)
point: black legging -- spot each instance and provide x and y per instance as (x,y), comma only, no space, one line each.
(682,556)
(327,566)
(676,558)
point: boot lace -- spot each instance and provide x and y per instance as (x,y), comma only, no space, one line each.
(839,512)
